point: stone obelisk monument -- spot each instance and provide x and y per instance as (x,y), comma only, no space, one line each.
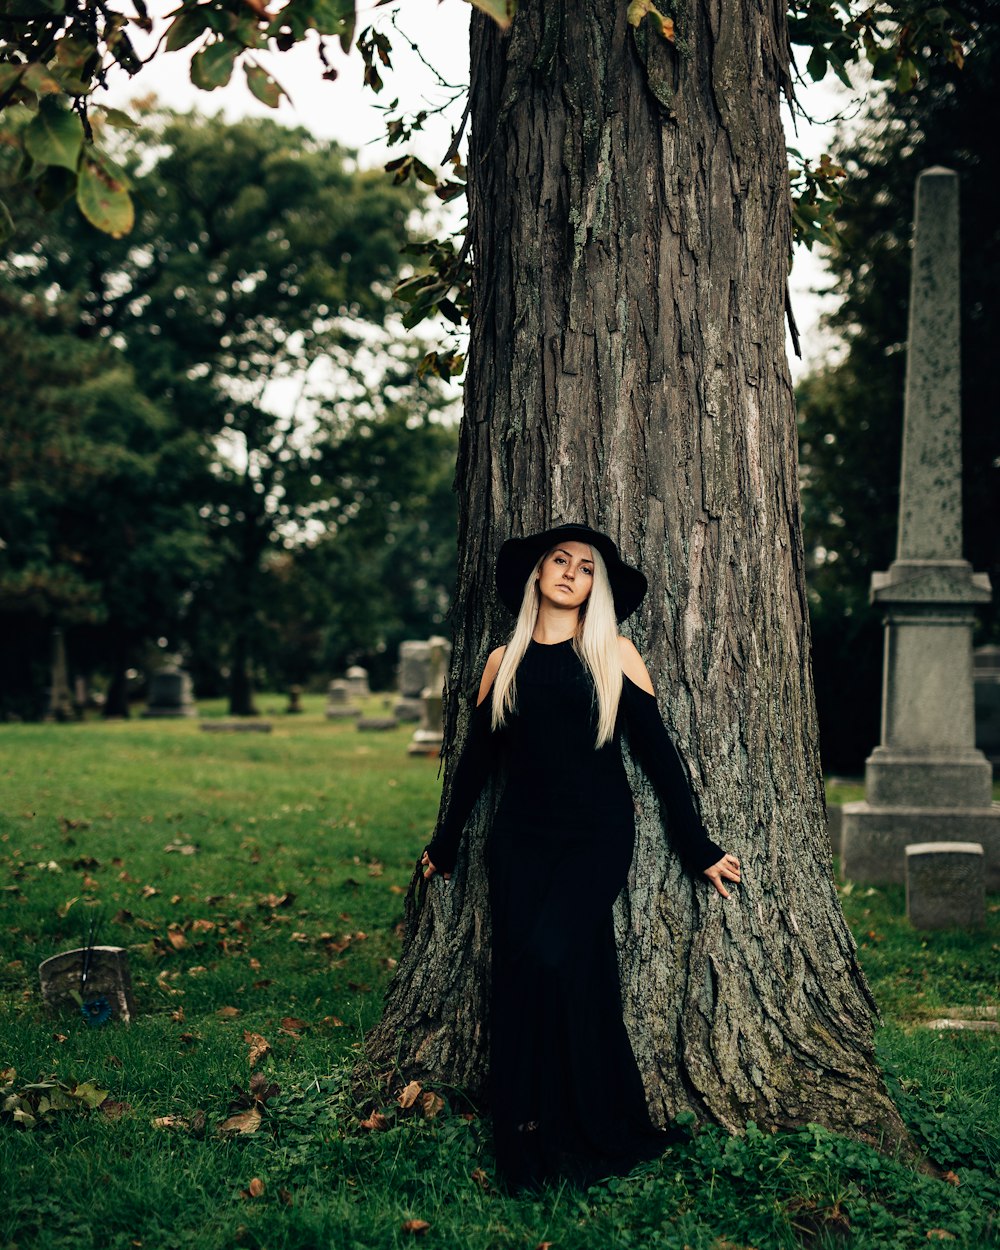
(926,782)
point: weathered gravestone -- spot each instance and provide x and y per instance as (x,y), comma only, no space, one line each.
(170,694)
(414,670)
(294,701)
(944,885)
(357,682)
(99,975)
(926,781)
(428,737)
(338,700)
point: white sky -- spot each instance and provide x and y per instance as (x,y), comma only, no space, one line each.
(347,111)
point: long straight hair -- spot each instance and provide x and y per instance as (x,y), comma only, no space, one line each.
(595,642)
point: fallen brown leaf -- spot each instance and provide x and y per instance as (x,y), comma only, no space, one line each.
(260,1047)
(241,1123)
(951,1178)
(483,1181)
(332,1022)
(176,938)
(939,1234)
(376,1122)
(149,891)
(170,1121)
(59,1037)
(256,1187)
(202,926)
(293,1025)
(415,1226)
(114,1110)
(432,1104)
(177,1016)
(228,1013)
(409,1095)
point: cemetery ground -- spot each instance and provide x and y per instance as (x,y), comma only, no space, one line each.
(258,883)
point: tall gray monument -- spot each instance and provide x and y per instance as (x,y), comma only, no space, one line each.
(926,782)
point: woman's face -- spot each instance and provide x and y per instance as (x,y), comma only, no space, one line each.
(567,575)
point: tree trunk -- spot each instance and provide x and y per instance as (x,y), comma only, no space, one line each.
(630,228)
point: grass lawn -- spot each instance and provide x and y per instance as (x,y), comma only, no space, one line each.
(257,882)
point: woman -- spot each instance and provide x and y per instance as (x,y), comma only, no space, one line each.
(565,1089)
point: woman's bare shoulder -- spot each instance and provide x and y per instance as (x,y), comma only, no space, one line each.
(633,665)
(490,672)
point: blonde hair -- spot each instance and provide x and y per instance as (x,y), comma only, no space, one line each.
(596,643)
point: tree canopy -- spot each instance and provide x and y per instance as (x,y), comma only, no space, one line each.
(242,330)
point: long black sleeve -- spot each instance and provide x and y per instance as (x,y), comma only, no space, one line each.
(652,745)
(471,773)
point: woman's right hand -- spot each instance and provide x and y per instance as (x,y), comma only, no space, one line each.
(429,870)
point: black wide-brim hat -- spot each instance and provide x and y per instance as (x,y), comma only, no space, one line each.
(518,556)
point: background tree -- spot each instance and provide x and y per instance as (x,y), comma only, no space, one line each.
(851,411)
(259,262)
(99,525)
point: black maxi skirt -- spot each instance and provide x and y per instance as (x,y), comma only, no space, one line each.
(566,1093)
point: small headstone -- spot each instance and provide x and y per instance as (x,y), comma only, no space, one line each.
(94,973)
(294,701)
(377,724)
(357,682)
(414,670)
(338,700)
(428,738)
(236,726)
(945,885)
(170,694)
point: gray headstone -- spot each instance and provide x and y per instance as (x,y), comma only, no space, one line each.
(377,724)
(236,727)
(107,976)
(944,885)
(926,776)
(357,681)
(294,701)
(338,700)
(428,738)
(414,668)
(170,694)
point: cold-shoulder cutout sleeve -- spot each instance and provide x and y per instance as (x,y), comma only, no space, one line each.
(471,774)
(654,748)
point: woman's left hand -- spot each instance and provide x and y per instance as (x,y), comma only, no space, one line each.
(728,867)
(428,869)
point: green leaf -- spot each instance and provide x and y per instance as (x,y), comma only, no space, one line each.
(183,30)
(6,223)
(816,65)
(213,66)
(55,135)
(103,199)
(115,117)
(55,186)
(9,74)
(263,86)
(38,79)
(502,11)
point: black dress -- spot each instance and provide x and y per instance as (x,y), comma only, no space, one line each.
(566,1093)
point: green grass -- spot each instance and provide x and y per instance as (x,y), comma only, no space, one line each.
(288,908)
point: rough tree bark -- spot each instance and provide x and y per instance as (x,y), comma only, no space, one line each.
(630,224)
